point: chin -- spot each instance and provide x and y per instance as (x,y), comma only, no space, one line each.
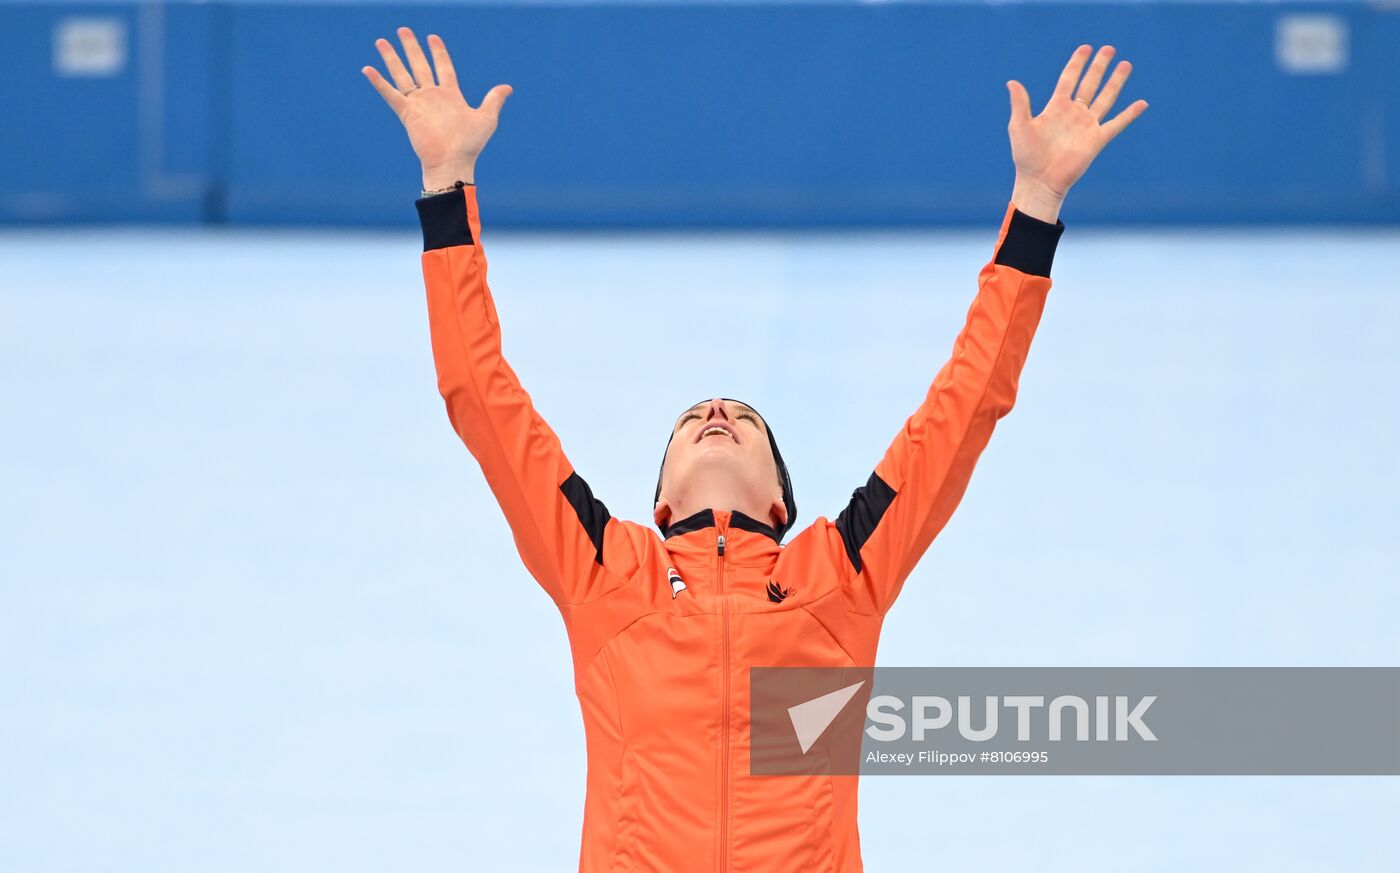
(716,459)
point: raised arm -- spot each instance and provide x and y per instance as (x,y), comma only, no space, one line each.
(562,532)
(892,518)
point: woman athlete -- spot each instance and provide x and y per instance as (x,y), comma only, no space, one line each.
(664,623)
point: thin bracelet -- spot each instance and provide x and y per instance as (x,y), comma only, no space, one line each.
(453,187)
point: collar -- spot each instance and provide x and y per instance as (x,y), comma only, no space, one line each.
(727,518)
(693,543)
(747,541)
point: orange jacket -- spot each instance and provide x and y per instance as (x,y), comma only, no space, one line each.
(662,677)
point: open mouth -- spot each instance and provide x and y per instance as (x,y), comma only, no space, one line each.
(716,430)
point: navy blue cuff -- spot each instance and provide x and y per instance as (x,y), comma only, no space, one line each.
(444,220)
(1030,244)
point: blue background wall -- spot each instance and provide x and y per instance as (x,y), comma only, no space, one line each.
(696,114)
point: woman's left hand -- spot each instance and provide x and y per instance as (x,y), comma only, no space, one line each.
(1052,150)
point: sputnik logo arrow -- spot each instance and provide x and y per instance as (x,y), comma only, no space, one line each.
(811,719)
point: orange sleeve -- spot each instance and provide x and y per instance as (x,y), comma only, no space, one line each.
(892,519)
(563,533)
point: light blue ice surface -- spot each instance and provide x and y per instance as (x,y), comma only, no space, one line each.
(260,612)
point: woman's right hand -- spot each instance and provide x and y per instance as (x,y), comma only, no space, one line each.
(446,133)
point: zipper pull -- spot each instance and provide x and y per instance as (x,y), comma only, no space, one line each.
(719,543)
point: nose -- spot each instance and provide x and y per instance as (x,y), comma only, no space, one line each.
(717,405)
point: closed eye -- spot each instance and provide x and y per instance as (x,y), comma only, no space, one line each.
(753,419)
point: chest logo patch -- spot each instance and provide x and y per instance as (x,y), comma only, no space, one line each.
(778,593)
(677,586)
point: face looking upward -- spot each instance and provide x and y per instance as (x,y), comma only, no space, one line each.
(719,458)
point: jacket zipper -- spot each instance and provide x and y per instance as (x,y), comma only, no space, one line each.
(724,703)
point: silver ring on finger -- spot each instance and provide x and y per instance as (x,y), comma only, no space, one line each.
(411,90)
(1081,100)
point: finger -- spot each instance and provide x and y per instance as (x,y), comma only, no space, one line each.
(417,61)
(442,62)
(1109,94)
(1020,101)
(495,99)
(1071,72)
(1121,121)
(391,95)
(1092,79)
(402,80)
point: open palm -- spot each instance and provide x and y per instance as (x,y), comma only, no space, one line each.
(444,130)
(1057,146)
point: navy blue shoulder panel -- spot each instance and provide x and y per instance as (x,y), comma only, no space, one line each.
(860,517)
(591,512)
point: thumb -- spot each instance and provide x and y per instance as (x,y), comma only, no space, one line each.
(1020,100)
(496,98)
